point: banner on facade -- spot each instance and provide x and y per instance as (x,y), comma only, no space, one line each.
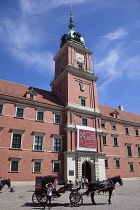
(86,138)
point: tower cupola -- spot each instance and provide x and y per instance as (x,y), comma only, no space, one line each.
(72,35)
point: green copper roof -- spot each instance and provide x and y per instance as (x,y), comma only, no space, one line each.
(72,35)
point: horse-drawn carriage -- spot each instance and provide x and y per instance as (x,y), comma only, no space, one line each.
(40,194)
(75,197)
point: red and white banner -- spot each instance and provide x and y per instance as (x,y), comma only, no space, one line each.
(86,138)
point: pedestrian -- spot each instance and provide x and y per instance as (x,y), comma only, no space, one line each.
(1,186)
(49,193)
(86,182)
(76,181)
(82,182)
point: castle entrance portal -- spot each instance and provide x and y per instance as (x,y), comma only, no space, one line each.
(86,170)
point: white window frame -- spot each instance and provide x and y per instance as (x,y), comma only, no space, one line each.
(115,127)
(38,134)
(84,99)
(138,148)
(126,127)
(20,107)
(37,161)
(55,136)
(37,116)
(84,118)
(12,159)
(117,159)
(129,145)
(136,129)
(131,164)
(106,159)
(115,136)
(60,118)
(2,104)
(31,96)
(16,131)
(59,162)
(104,135)
(103,123)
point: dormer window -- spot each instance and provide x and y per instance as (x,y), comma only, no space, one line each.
(31,96)
(115,114)
(31,93)
(77,36)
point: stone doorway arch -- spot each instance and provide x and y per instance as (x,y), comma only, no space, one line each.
(86,170)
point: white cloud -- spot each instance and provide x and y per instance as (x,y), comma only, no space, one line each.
(39,6)
(118,34)
(41,61)
(18,35)
(132,67)
(115,65)
(23,44)
(107,66)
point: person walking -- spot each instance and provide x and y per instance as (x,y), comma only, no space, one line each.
(86,182)
(1,186)
(76,181)
(82,182)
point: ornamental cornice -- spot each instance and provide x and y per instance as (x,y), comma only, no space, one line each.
(121,121)
(72,127)
(82,109)
(75,46)
(82,73)
(26,102)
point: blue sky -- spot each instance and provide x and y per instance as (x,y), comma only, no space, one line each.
(30,32)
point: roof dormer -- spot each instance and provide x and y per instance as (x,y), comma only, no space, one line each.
(31,93)
(115,114)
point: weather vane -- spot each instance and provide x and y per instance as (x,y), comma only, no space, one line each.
(70,8)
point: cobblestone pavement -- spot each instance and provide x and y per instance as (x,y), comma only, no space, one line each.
(126,197)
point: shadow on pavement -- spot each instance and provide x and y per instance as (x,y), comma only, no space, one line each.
(42,205)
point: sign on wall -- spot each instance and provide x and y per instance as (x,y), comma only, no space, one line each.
(86,138)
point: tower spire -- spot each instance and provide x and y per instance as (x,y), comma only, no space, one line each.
(71,25)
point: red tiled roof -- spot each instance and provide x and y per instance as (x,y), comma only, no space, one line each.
(19,91)
(123,115)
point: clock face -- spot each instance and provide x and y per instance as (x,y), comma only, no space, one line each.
(61,61)
(80,57)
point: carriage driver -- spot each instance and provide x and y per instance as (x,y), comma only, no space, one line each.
(49,192)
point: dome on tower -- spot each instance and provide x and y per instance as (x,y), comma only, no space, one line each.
(72,35)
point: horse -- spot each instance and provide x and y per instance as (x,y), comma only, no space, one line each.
(107,185)
(6,182)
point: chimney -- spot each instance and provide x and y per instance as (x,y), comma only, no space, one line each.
(120,107)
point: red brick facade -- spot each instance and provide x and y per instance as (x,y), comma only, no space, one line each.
(38,129)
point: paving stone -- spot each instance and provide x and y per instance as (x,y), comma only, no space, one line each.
(126,197)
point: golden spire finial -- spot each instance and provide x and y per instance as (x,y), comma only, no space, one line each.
(70,8)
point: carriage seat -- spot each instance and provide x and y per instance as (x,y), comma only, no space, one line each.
(75,189)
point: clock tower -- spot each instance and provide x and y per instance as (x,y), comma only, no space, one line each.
(75,85)
(73,71)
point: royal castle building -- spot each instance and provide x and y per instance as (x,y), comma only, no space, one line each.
(65,132)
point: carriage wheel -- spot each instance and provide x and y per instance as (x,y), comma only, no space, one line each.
(34,198)
(41,196)
(76,199)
